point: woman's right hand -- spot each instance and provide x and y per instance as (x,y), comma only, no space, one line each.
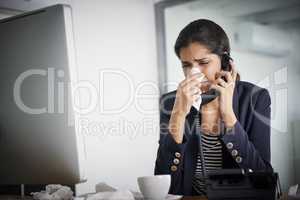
(187,92)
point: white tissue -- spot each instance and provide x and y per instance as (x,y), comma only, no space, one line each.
(293,190)
(43,195)
(53,188)
(198,101)
(116,195)
(54,192)
(103,187)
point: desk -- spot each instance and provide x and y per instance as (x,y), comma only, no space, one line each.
(284,197)
(2,197)
(195,198)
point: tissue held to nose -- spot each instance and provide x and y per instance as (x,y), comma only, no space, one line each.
(196,70)
(205,84)
(198,100)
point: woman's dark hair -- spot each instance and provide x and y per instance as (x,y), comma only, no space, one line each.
(207,33)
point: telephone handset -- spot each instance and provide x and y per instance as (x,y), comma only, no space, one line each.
(213,93)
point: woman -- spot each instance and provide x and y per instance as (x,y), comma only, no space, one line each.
(235,126)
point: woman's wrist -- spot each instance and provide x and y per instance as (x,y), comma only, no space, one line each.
(176,125)
(178,113)
(229,119)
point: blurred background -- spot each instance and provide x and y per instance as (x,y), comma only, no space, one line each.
(137,38)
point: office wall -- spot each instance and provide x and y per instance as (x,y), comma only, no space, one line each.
(118,36)
(279,74)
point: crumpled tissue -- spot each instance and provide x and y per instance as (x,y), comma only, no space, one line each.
(54,192)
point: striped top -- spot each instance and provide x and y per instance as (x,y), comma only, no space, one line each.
(212,152)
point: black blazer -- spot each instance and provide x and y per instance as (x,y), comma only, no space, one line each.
(250,138)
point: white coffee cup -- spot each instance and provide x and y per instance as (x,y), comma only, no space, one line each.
(154,187)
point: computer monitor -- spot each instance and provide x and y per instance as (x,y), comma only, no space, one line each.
(39,143)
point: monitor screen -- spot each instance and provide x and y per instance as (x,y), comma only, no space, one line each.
(38,140)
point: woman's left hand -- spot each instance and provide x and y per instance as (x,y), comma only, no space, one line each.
(226,89)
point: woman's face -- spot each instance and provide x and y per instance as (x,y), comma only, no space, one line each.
(197,55)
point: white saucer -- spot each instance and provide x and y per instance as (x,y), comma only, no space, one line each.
(173,197)
(138,196)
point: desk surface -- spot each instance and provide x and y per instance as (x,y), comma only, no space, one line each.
(195,198)
(284,197)
(2,197)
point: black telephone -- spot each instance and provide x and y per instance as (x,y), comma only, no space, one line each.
(212,93)
(242,184)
